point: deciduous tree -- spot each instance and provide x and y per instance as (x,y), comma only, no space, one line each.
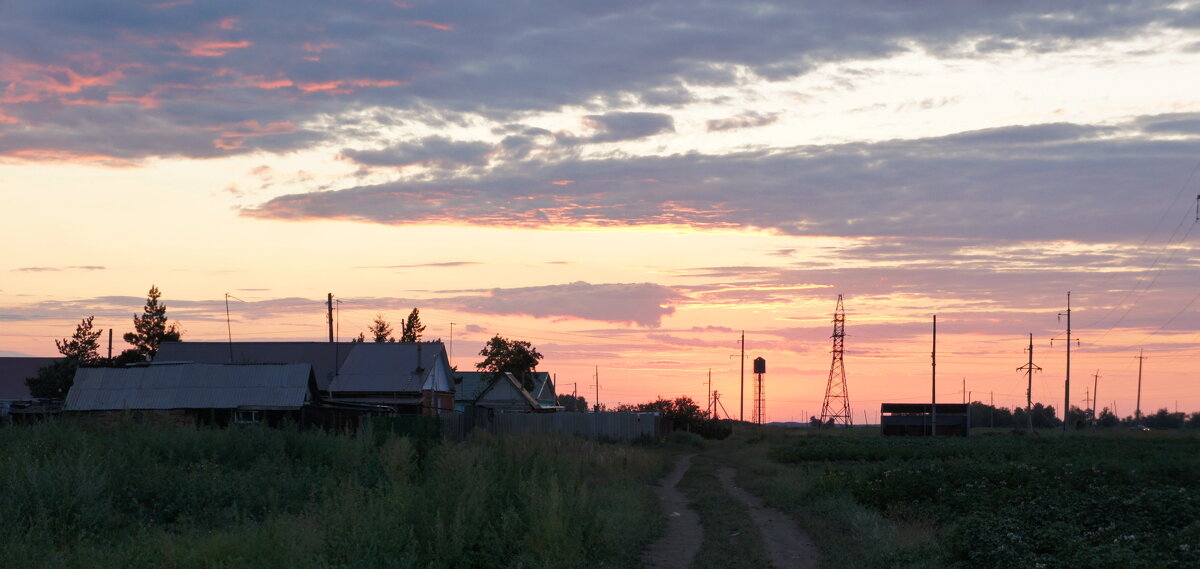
(518,357)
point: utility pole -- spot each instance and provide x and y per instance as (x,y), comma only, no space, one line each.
(110,345)
(711,402)
(992,411)
(597,378)
(329,315)
(742,401)
(450,353)
(1029,369)
(1067,385)
(1137,415)
(933,372)
(1095,394)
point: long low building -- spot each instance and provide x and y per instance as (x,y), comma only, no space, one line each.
(200,394)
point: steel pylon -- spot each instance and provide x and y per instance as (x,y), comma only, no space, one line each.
(836,408)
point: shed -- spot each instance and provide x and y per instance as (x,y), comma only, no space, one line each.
(916,419)
(195,393)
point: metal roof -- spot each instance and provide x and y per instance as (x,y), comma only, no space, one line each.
(506,391)
(191,386)
(324,357)
(394,367)
(473,383)
(13,373)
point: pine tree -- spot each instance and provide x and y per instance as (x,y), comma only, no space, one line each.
(412,328)
(151,328)
(83,347)
(381,330)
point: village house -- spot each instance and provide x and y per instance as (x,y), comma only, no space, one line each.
(471,384)
(398,377)
(197,394)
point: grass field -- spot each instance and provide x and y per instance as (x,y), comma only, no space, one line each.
(1107,499)
(139,496)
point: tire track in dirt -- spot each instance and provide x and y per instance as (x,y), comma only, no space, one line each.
(678,546)
(788,547)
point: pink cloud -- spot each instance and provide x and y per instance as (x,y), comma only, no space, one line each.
(28,82)
(434,25)
(210,48)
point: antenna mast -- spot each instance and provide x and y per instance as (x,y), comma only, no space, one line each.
(836,408)
(228,325)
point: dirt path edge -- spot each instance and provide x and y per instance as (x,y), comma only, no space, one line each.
(678,546)
(788,547)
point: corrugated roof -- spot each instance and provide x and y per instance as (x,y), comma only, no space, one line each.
(324,357)
(191,386)
(13,373)
(393,367)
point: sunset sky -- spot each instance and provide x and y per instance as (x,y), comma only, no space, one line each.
(627,185)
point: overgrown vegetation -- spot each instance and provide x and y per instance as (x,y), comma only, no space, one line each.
(1106,499)
(731,539)
(138,496)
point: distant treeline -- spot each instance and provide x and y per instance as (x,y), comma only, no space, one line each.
(1046,416)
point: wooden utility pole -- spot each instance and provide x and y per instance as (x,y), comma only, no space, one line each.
(110,345)
(742,401)
(933,373)
(329,315)
(1067,385)
(1029,369)
(1137,415)
(597,378)
(1095,394)
(711,402)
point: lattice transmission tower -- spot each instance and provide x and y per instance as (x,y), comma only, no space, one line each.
(836,408)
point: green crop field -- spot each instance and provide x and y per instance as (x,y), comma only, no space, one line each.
(1103,499)
(140,496)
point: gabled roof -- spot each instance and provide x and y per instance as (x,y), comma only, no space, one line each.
(324,357)
(192,386)
(394,367)
(506,391)
(13,373)
(473,383)
(543,389)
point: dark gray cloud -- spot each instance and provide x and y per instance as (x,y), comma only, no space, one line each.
(615,127)
(641,304)
(433,152)
(748,119)
(117,81)
(644,304)
(1022,182)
